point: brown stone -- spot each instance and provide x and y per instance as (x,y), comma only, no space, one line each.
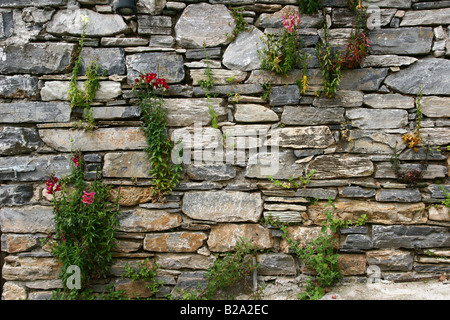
(30,268)
(225,237)
(144,220)
(131,196)
(174,242)
(13,243)
(352,264)
(382,213)
(302,235)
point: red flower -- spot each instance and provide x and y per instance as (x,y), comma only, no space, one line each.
(76,160)
(88,197)
(52,185)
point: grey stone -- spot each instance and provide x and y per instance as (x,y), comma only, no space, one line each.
(6,24)
(437,192)
(113,138)
(276,264)
(254,113)
(421,154)
(431,5)
(409,41)
(283,95)
(436,136)
(319,193)
(399,4)
(33,112)
(388,259)
(356,243)
(204,24)
(389,101)
(123,42)
(356,192)
(367,79)
(302,115)
(319,137)
(31,219)
(37,168)
(16,194)
(36,58)
(354,230)
(333,166)
(398,195)
(211,172)
(431,73)
(240,89)
(111,60)
(286,216)
(387,61)
(20,86)
(432,171)
(58,90)
(168,65)
(14,141)
(110,113)
(185,112)
(341,98)
(371,142)
(377,118)
(410,236)
(242,53)
(151,25)
(70,22)
(426,17)
(27,3)
(145,220)
(436,107)
(204,53)
(152,7)
(223,206)
(280,165)
(275,20)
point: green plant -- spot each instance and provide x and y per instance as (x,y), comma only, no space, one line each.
(145,272)
(240,25)
(330,64)
(166,175)
(267,91)
(303,83)
(320,254)
(292,184)
(280,53)
(309,6)
(358,44)
(414,138)
(445,202)
(83,98)
(85,224)
(230,269)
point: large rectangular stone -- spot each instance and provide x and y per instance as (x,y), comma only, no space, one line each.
(426,17)
(15,194)
(59,90)
(186,112)
(367,79)
(223,206)
(29,3)
(118,138)
(182,241)
(34,112)
(15,140)
(33,168)
(364,118)
(335,167)
(131,164)
(22,268)
(144,220)
(30,219)
(18,86)
(300,115)
(409,41)
(36,58)
(402,236)
(302,137)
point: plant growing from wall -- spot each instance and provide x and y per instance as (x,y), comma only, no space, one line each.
(292,184)
(280,52)
(240,25)
(358,44)
(330,64)
(83,98)
(320,254)
(206,85)
(414,138)
(166,175)
(309,6)
(145,271)
(85,225)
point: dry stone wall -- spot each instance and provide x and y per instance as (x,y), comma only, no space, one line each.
(349,139)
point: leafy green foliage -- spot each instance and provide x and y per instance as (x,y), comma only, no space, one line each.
(330,64)
(240,25)
(320,254)
(85,224)
(165,174)
(207,85)
(145,272)
(358,44)
(309,6)
(292,184)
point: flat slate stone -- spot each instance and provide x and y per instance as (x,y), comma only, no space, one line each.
(166,64)
(15,141)
(334,167)
(69,22)
(303,115)
(242,53)
(18,86)
(377,118)
(367,79)
(426,17)
(406,41)
(111,60)
(33,112)
(36,58)
(398,195)
(431,73)
(31,219)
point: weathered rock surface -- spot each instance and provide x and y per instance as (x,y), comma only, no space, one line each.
(36,58)
(132,164)
(371,142)
(406,41)
(145,220)
(58,90)
(182,241)
(432,74)
(302,137)
(70,22)
(436,107)
(18,86)
(242,53)
(377,118)
(279,165)
(204,23)
(211,172)
(110,60)
(388,101)
(254,113)
(223,206)
(426,17)
(225,237)
(16,194)
(187,112)
(15,140)
(333,167)
(303,115)
(32,112)
(30,219)
(402,236)
(389,259)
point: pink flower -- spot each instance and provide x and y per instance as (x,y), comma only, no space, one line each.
(88,197)
(76,160)
(290,22)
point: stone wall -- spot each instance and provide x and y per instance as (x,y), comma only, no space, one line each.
(349,139)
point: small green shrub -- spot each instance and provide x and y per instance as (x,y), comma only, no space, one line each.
(309,6)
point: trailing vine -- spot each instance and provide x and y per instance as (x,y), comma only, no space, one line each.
(166,175)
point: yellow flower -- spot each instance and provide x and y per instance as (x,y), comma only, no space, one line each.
(305,84)
(359,6)
(85,19)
